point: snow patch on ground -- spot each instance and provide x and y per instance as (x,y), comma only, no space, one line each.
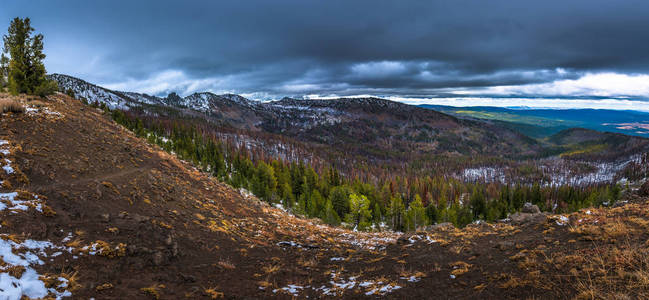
(34,111)
(562,220)
(23,256)
(338,285)
(8,201)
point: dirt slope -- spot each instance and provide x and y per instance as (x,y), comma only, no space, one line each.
(126,220)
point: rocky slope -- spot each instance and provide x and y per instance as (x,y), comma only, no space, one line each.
(89,210)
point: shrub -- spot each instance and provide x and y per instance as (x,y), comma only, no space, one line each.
(46,88)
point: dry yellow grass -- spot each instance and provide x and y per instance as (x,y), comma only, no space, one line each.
(9,105)
(226,264)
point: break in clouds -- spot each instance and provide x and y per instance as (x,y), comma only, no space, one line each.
(591,53)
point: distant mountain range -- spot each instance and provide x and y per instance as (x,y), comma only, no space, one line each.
(540,123)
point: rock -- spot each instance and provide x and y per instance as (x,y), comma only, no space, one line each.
(644,189)
(159,258)
(530,208)
(440,226)
(169,240)
(404,239)
(131,249)
(105,217)
(140,218)
(506,245)
(187,278)
(527,218)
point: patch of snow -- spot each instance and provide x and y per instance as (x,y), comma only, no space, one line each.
(13,205)
(562,221)
(29,284)
(7,167)
(411,278)
(291,289)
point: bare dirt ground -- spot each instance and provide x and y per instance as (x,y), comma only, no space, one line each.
(131,221)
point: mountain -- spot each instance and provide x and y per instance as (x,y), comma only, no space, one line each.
(382,125)
(540,123)
(90,210)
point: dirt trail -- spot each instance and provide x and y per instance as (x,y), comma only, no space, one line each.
(81,181)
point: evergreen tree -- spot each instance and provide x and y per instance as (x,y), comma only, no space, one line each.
(377,216)
(478,204)
(4,67)
(24,66)
(359,215)
(330,215)
(432,213)
(396,213)
(340,200)
(264,182)
(286,193)
(416,214)
(316,204)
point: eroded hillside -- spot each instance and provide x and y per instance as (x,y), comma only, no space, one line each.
(89,210)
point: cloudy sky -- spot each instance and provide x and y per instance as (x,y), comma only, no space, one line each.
(590,53)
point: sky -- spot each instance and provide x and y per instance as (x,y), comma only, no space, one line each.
(549,53)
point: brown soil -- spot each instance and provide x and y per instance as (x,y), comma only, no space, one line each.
(187,235)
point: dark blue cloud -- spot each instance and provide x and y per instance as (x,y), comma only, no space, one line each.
(286,47)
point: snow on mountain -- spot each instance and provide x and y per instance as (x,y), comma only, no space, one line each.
(203,102)
(91,92)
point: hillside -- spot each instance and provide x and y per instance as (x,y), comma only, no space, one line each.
(117,218)
(588,144)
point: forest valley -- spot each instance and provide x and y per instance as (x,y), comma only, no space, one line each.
(367,199)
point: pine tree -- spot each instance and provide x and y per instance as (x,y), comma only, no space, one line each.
(339,197)
(377,216)
(359,215)
(330,215)
(4,67)
(432,213)
(264,182)
(478,203)
(396,213)
(416,214)
(316,205)
(24,66)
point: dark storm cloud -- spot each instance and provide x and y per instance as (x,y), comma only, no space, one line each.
(278,48)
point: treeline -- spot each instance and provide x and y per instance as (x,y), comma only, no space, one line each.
(396,202)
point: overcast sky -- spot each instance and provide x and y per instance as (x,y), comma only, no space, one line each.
(575,53)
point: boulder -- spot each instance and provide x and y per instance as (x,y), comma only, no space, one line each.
(440,226)
(528,218)
(404,239)
(530,208)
